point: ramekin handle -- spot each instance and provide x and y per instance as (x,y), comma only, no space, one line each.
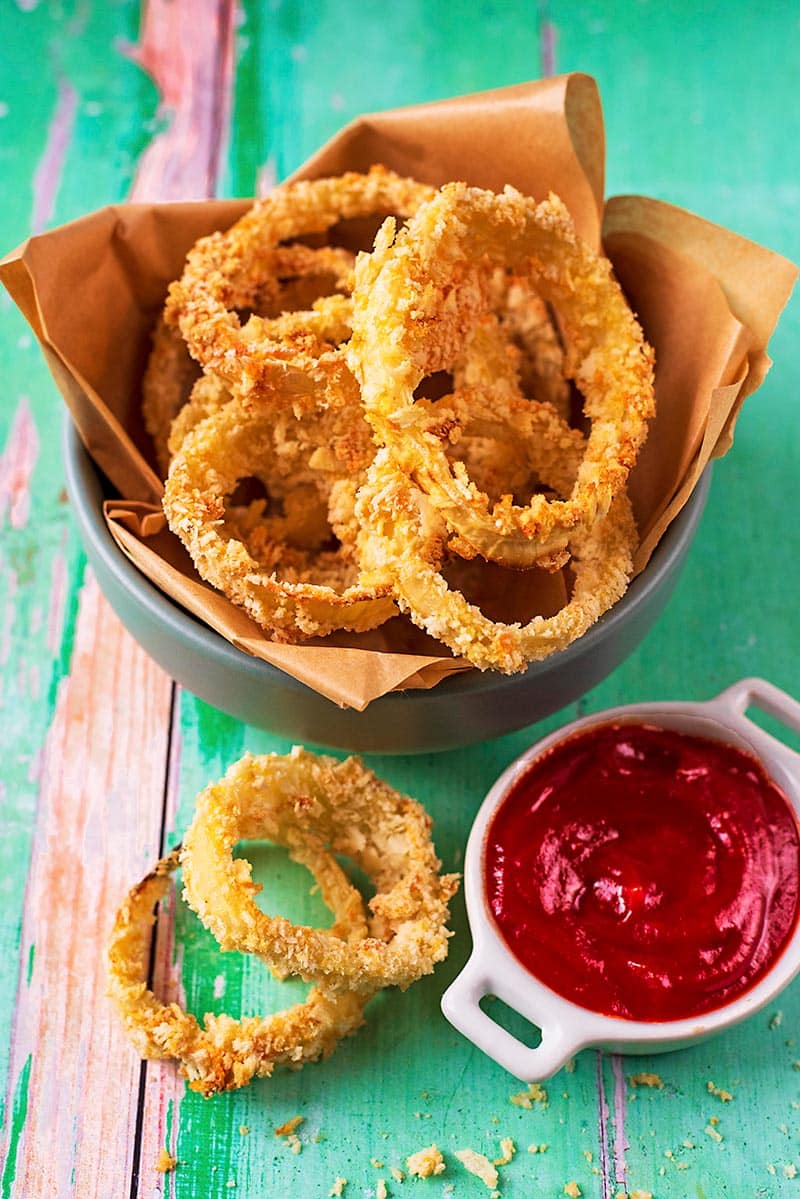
(758,693)
(461,1006)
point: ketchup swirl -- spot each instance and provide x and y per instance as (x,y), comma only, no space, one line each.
(644,873)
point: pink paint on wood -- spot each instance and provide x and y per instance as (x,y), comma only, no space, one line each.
(17,464)
(58,600)
(47,177)
(602,1118)
(187,47)
(621,1143)
(96,833)
(547,47)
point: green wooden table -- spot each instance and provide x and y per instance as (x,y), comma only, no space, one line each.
(101,753)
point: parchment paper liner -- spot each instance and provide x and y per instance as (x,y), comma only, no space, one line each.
(708,300)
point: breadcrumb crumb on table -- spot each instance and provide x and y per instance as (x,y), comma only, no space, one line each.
(396,1173)
(572,1189)
(719,1092)
(426,1162)
(165,1162)
(507,1150)
(654,1081)
(289,1126)
(338,1187)
(478,1165)
(534,1094)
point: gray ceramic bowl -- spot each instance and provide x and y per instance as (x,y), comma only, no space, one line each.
(467,707)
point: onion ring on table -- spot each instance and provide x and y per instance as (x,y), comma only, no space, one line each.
(223,1054)
(315,594)
(353,813)
(297,273)
(224,269)
(407,539)
(415,299)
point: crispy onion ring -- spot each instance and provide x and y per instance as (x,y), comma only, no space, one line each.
(349,811)
(415,298)
(298,276)
(312,596)
(407,540)
(222,1053)
(225,270)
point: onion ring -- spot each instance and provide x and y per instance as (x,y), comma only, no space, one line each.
(313,596)
(414,300)
(223,1053)
(353,813)
(298,275)
(224,270)
(407,538)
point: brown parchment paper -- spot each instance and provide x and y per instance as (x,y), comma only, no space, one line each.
(708,301)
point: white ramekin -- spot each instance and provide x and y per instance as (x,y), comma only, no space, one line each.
(565,1027)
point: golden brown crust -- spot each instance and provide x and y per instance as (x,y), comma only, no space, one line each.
(347,809)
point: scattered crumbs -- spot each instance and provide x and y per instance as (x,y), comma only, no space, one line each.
(338,1187)
(681,1165)
(713,1120)
(712,1132)
(165,1162)
(784,1128)
(380,1190)
(668,1153)
(587,1153)
(662,1170)
(425,1094)
(790,1171)
(478,1165)
(640,1195)
(565,1094)
(776,1021)
(318,1138)
(507,1149)
(719,1092)
(294,1142)
(495,1120)
(534,1094)
(570,1066)
(285,1130)
(647,1080)
(422,1115)
(573,1190)
(231,1183)
(448,1188)
(771,1169)
(537,1149)
(243,1130)
(688,1144)
(425,1162)
(373,1161)
(396,1173)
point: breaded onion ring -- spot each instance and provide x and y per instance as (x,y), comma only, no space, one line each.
(407,539)
(308,596)
(225,270)
(415,299)
(223,1053)
(298,276)
(349,811)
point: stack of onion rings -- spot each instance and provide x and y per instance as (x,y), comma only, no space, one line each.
(316,807)
(373,485)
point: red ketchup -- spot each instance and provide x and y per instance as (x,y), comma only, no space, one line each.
(644,873)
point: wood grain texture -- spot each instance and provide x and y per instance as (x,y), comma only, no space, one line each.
(699,109)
